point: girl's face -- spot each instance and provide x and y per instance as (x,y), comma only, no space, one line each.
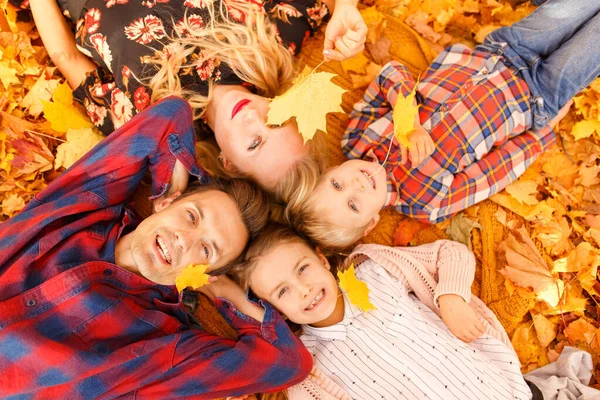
(296,281)
(352,194)
(253,148)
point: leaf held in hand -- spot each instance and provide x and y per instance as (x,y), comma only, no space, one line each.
(310,99)
(404,116)
(193,276)
(356,290)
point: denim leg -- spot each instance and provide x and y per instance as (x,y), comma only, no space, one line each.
(530,45)
(570,68)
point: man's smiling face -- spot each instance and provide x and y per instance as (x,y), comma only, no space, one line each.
(200,228)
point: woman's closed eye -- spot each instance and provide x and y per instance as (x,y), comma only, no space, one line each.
(272,126)
(302,269)
(255,143)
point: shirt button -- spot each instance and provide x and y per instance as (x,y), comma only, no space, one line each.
(467,85)
(108,272)
(31,302)
(444,108)
(484,71)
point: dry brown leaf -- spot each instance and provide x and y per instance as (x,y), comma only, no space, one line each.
(581,331)
(380,50)
(526,268)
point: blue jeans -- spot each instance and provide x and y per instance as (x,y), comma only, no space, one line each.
(556,50)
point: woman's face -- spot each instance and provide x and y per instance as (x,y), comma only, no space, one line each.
(253,148)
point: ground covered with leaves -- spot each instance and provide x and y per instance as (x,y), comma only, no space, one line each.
(551,215)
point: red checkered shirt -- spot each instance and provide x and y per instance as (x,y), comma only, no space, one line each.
(73,325)
(478,115)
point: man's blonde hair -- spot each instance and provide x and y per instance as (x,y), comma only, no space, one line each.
(250,48)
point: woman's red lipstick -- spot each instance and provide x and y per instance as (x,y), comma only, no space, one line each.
(240,104)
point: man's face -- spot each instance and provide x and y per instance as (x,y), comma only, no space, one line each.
(202,228)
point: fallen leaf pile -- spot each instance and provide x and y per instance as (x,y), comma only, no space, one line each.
(41,131)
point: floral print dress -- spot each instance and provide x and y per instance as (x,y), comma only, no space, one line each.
(122,35)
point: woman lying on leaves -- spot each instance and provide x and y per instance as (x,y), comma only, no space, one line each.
(226,57)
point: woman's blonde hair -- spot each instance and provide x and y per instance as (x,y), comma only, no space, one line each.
(250,48)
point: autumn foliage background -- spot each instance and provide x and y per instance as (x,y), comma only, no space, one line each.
(550,216)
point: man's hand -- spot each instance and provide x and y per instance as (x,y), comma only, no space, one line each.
(462,320)
(561,114)
(346,33)
(420,146)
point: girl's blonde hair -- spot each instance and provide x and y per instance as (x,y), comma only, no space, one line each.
(250,48)
(272,236)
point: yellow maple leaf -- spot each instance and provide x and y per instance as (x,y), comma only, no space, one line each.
(193,276)
(79,142)
(404,116)
(357,291)
(584,129)
(524,192)
(41,90)
(61,113)
(310,99)
(8,75)
(357,64)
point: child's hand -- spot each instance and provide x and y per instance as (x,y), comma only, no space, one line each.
(420,146)
(226,288)
(462,320)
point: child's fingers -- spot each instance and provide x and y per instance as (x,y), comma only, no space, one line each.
(403,154)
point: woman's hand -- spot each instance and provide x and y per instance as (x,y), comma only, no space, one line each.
(462,320)
(345,34)
(420,146)
(178,183)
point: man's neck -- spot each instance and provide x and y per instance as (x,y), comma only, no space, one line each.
(336,316)
(123,253)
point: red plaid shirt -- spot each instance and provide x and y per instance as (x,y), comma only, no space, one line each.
(75,325)
(478,115)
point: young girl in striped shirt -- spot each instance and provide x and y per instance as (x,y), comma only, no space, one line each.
(428,337)
(484,117)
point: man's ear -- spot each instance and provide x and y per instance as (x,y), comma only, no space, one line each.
(163,202)
(371,225)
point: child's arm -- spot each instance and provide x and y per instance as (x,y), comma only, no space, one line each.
(59,42)
(441,274)
(377,102)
